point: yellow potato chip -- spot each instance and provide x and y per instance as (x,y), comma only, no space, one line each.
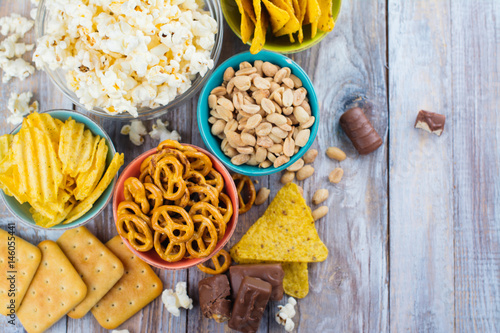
(84,206)
(87,181)
(326,22)
(46,222)
(293,23)
(277,16)
(285,233)
(247,26)
(5,143)
(48,125)
(9,184)
(296,279)
(259,36)
(38,166)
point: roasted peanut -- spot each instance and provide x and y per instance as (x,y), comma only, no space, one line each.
(336,175)
(335,153)
(287,177)
(310,156)
(320,196)
(304,173)
(319,212)
(262,196)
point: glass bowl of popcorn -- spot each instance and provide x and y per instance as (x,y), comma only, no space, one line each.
(128,58)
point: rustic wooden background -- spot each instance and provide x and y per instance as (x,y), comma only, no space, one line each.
(414,228)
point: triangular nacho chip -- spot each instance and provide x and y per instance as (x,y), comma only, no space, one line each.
(278,17)
(285,232)
(259,36)
(326,22)
(293,24)
(247,26)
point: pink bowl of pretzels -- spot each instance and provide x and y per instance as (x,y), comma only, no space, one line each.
(175,206)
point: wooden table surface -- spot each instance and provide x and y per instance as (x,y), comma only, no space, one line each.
(414,228)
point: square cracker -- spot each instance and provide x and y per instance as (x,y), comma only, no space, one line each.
(136,289)
(27,258)
(99,268)
(55,290)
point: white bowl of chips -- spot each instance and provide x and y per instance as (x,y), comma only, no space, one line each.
(120,60)
(85,163)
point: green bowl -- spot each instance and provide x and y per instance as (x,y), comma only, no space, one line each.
(22,212)
(277,44)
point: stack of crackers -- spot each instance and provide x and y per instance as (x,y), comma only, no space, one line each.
(73,276)
(284,234)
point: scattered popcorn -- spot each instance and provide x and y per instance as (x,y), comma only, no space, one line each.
(33,13)
(123,55)
(15,24)
(173,301)
(286,313)
(10,48)
(19,68)
(19,106)
(136,130)
(161,133)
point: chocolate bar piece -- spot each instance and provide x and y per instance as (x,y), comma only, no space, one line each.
(361,132)
(430,122)
(272,273)
(214,292)
(249,306)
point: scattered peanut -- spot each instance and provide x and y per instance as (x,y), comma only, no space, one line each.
(296,166)
(287,177)
(262,196)
(335,153)
(304,173)
(320,196)
(319,212)
(262,114)
(310,156)
(336,175)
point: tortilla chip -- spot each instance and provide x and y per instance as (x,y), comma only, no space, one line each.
(247,26)
(296,280)
(249,9)
(302,4)
(326,22)
(286,232)
(259,36)
(293,23)
(312,15)
(278,17)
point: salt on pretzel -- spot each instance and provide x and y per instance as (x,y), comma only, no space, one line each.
(241,182)
(218,268)
(178,228)
(136,230)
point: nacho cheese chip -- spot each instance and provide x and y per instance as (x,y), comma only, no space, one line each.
(278,17)
(285,232)
(247,25)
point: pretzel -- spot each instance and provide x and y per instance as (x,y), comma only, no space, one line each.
(194,178)
(202,249)
(177,229)
(146,162)
(205,193)
(186,166)
(136,230)
(227,210)
(172,252)
(154,195)
(241,181)
(206,209)
(170,144)
(130,207)
(199,162)
(183,201)
(218,268)
(214,179)
(168,177)
(133,190)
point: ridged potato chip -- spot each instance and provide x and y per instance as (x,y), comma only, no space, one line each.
(56,167)
(39,168)
(84,206)
(87,181)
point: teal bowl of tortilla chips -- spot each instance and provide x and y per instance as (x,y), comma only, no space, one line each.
(300,24)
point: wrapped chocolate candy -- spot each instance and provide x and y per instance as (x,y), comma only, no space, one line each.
(360,131)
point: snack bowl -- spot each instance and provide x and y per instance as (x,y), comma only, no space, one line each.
(21,211)
(213,143)
(151,257)
(58,76)
(277,44)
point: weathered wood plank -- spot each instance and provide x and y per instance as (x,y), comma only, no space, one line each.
(420,168)
(475,49)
